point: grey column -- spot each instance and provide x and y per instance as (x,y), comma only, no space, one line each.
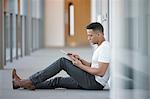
(1,36)
(28,30)
(130,22)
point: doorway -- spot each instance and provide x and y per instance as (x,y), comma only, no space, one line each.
(77,16)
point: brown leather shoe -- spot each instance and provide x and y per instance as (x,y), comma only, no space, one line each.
(17,82)
(26,84)
(15,77)
(14,85)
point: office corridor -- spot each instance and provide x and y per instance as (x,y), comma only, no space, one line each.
(31,29)
(37,61)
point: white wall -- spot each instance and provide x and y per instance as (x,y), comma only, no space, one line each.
(99,13)
(54,23)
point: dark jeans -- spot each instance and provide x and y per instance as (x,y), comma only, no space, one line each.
(78,79)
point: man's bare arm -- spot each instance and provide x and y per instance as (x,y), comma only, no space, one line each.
(100,71)
(95,71)
(84,62)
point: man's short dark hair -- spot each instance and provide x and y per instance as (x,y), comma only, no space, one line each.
(95,26)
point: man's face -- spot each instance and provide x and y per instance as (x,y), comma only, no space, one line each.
(92,36)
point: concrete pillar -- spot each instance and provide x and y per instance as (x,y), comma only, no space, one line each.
(130,21)
(1,36)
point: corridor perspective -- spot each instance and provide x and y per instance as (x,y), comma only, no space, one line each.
(33,33)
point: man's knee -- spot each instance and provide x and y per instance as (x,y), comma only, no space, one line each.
(63,59)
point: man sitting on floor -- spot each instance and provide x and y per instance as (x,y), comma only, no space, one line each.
(83,74)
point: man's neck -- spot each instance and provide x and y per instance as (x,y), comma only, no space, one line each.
(99,43)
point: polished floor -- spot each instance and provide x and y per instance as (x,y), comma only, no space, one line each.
(36,61)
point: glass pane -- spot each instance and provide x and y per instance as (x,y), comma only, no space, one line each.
(11,37)
(14,35)
(71,17)
(7,35)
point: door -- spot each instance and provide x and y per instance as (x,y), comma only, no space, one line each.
(77,16)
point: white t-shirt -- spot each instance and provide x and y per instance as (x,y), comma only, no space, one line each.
(102,54)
